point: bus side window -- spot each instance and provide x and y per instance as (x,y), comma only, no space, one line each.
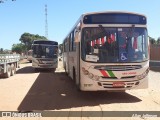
(66,44)
(74,43)
(70,42)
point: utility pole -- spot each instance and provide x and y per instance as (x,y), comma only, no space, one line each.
(46,22)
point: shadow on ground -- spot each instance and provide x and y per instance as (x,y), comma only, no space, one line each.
(156,69)
(154,65)
(57,91)
(29,69)
(25,70)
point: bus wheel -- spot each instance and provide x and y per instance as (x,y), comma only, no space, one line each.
(74,78)
(74,75)
(78,87)
(8,72)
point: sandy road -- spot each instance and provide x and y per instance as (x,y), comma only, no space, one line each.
(47,91)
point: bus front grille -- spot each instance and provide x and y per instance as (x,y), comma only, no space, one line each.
(118,68)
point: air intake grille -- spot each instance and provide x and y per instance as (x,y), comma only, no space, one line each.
(119,68)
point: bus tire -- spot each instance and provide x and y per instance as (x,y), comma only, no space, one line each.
(78,88)
(74,75)
(74,78)
(8,72)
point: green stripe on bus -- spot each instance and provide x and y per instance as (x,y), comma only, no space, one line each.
(111,73)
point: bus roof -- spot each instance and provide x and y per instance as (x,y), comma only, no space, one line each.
(101,12)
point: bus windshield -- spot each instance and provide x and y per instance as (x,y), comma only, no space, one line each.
(45,51)
(111,45)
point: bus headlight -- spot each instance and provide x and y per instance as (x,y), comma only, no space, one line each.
(96,77)
(139,77)
(143,75)
(85,71)
(90,75)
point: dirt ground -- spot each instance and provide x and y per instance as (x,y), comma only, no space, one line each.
(42,91)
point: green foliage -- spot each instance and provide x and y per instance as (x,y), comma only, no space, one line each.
(158,41)
(1,51)
(153,41)
(18,48)
(28,38)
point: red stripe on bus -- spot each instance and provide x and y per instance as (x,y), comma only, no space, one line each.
(104,73)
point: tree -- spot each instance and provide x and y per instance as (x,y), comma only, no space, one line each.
(158,41)
(1,50)
(28,38)
(6,51)
(18,48)
(152,40)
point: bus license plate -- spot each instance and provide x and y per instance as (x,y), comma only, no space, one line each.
(118,84)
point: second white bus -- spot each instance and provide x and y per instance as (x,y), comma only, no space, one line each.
(44,54)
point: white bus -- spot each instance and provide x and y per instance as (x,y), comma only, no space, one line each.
(108,51)
(45,54)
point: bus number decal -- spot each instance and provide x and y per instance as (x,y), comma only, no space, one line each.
(129,73)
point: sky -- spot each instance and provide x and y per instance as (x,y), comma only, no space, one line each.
(23,16)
